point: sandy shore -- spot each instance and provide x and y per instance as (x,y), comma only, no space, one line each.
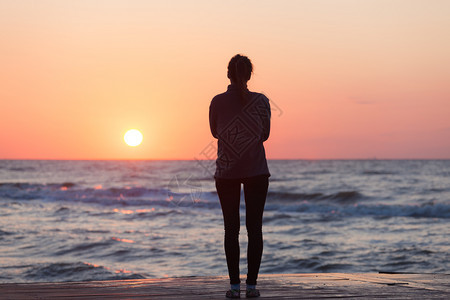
(272,286)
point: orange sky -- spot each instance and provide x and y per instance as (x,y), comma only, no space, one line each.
(353,79)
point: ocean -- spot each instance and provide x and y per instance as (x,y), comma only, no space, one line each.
(103,220)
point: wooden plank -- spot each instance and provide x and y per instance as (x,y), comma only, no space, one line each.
(272,286)
(428,282)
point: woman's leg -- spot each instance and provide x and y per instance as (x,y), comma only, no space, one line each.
(229,191)
(255,191)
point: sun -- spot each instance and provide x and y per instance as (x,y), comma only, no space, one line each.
(133,137)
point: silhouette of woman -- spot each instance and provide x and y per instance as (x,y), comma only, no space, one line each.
(240,120)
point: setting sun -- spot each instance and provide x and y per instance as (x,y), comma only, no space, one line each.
(133,137)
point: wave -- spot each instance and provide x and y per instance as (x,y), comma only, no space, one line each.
(70,191)
(19,169)
(83,248)
(77,271)
(330,211)
(376,172)
(342,203)
(342,197)
(122,196)
(5,233)
(173,195)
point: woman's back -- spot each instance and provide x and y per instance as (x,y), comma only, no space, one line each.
(241,128)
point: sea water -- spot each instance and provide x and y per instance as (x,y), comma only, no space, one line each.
(101,220)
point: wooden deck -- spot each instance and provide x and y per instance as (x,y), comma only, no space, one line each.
(273,286)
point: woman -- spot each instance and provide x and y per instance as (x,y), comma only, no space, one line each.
(240,120)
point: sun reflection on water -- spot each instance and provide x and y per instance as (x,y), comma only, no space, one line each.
(123,240)
(129,211)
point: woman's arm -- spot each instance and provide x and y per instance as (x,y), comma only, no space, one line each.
(213,119)
(266,120)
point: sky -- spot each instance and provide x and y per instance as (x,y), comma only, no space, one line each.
(346,79)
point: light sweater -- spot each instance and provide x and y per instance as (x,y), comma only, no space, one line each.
(241,130)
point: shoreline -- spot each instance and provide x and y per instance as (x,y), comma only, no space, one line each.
(272,286)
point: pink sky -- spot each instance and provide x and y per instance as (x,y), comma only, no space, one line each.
(353,79)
